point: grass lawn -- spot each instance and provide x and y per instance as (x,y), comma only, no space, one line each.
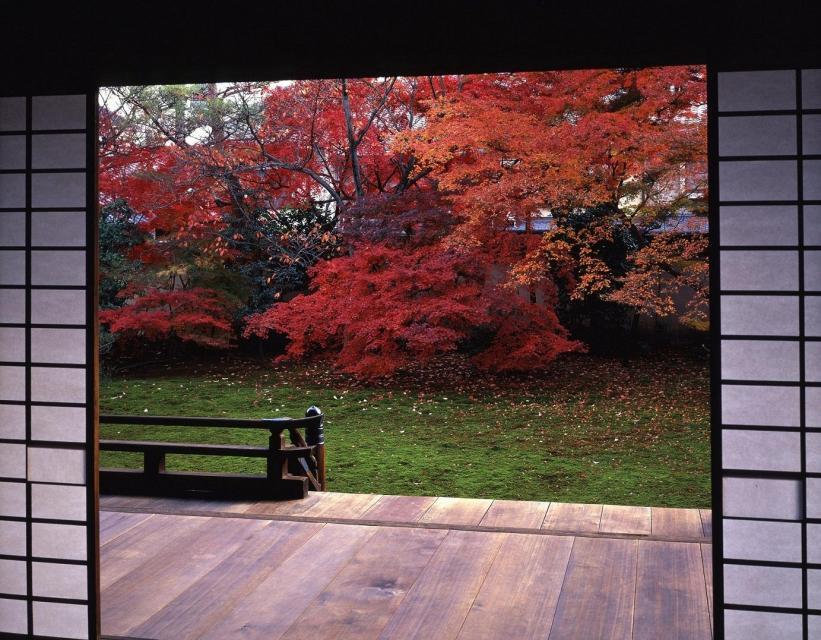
(588,430)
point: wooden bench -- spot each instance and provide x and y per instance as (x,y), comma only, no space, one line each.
(292,468)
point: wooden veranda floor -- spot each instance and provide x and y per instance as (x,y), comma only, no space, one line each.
(359,566)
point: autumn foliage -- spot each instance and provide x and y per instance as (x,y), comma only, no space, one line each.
(382,222)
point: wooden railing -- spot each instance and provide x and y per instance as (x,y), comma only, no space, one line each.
(292,468)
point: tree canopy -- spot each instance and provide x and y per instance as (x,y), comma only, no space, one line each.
(384,221)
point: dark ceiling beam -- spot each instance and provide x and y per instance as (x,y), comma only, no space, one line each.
(61,46)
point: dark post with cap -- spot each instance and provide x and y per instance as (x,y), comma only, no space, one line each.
(315,437)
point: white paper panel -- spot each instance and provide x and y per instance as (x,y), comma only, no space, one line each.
(13,152)
(756,90)
(52,580)
(58,346)
(12,114)
(58,306)
(762,586)
(12,422)
(12,460)
(58,268)
(762,625)
(58,229)
(13,577)
(12,264)
(12,227)
(758,180)
(759,270)
(12,191)
(758,406)
(58,502)
(58,112)
(59,424)
(58,190)
(56,465)
(13,616)
(12,538)
(51,384)
(761,450)
(60,619)
(760,540)
(58,541)
(763,225)
(770,360)
(774,499)
(13,499)
(757,136)
(760,315)
(12,305)
(58,151)
(12,344)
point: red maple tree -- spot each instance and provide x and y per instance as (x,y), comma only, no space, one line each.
(423,197)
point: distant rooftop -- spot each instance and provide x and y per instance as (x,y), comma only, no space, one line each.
(683,222)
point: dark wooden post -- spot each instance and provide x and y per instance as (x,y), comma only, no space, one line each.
(153,465)
(315,437)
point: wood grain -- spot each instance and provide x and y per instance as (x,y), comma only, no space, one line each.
(137,596)
(676,523)
(358,603)
(563,516)
(437,604)
(274,605)
(399,508)
(287,507)
(113,524)
(342,505)
(139,544)
(707,522)
(598,595)
(519,595)
(618,519)
(670,593)
(199,607)
(707,564)
(457,511)
(515,514)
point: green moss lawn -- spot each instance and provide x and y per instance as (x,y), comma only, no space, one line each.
(589,430)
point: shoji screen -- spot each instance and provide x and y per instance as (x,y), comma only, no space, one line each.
(767,136)
(47,511)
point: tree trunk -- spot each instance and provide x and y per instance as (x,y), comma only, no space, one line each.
(352,143)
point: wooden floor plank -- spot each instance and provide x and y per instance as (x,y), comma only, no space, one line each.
(619,519)
(707,522)
(214,505)
(358,603)
(670,592)
(676,523)
(563,516)
(287,507)
(140,543)
(137,596)
(522,514)
(707,562)
(519,595)
(457,511)
(598,595)
(114,524)
(399,508)
(273,606)
(342,505)
(128,502)
(437,604)
(199,607)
